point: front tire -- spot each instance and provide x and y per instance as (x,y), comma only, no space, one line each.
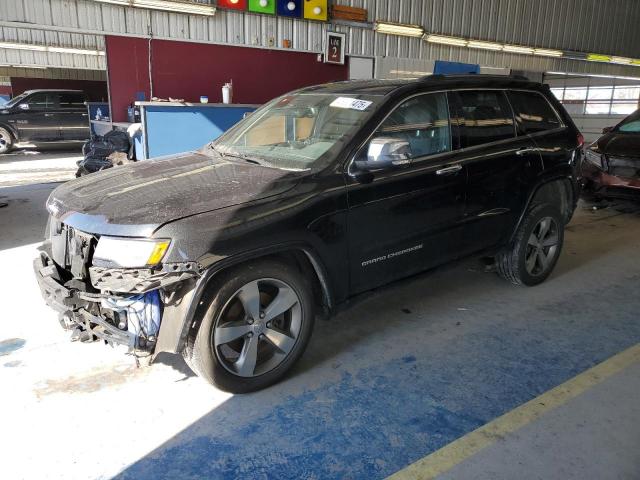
(6,141)
(535,249)
(257,325)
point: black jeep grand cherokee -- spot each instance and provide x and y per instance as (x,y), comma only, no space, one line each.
(226,254)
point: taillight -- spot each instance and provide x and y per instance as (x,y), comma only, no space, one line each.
(580,140)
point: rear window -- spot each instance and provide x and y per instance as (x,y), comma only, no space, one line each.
(484,116)
(631,124)
(533,112)
(72,101)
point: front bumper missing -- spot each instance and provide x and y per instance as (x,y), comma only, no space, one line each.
(55,294)
(94,316)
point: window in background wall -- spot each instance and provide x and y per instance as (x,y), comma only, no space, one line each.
(625,100)
(559,93)
(599,100)
(575,99)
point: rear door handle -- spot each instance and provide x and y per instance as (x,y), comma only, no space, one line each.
(48,114)
(525,151)
(449,170)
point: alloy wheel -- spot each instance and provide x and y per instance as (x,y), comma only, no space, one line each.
(5,141)
(542,247)
(257,328)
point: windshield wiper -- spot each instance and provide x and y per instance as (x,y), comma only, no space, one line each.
(246,158)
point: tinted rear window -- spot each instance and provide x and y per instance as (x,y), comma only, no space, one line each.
(533,112)
(486,117)
(72,101)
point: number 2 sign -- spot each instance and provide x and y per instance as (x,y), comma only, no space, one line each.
(334,48)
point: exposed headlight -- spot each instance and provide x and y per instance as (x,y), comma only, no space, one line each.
(126,252)
(594,158)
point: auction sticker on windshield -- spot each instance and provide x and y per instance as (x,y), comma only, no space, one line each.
(352,103)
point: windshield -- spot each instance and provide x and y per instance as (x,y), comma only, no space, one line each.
(298,132)
(15,100)
(631,124)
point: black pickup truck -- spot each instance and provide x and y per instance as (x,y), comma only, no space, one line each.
(227,254)
(38,116)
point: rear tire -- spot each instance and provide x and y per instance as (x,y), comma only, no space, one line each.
(6,141)
(257,325)
(535,249)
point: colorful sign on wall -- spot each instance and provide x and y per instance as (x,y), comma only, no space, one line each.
(290,8)
(233,4)
(263,6)
(316,10)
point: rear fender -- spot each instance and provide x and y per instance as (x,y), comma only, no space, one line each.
(546,190)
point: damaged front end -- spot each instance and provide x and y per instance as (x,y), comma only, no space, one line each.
(611,175)
(118,305)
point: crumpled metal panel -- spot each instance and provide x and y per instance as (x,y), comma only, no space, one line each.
(137,280)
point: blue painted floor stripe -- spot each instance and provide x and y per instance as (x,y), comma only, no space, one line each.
(374,421)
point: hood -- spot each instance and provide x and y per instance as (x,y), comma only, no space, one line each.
(136,199)
(619,144)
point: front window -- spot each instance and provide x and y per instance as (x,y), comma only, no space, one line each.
(423,122)
(298,132)
(16,100)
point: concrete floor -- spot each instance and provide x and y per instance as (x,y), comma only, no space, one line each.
(27,166)
(399,375)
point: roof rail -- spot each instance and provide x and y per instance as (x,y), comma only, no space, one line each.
(437,76)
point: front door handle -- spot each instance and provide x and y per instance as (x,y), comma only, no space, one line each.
(449,170)
(48,114)
(525,151)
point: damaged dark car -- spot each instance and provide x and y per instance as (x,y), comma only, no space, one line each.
(612,163)
(227,255)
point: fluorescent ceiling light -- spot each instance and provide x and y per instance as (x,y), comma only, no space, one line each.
(518,49)
(545,52)
(409,72)
(399,29)
(443,39)
(596,75)
(44,48)
(40,67)
(23,46)
(484,45)
(596,57)
(77,51)
(167,6)
(621,60)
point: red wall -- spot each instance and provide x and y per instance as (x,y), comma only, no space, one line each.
(5,90)
(128,72)
(96,90)
(188,70)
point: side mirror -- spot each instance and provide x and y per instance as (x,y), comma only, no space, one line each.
(607,129)
(384,152)
(23,106)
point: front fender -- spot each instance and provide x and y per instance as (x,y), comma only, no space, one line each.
(181,309)
(12,130)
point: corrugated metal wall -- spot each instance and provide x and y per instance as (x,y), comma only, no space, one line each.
(603,26)
(50,59)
